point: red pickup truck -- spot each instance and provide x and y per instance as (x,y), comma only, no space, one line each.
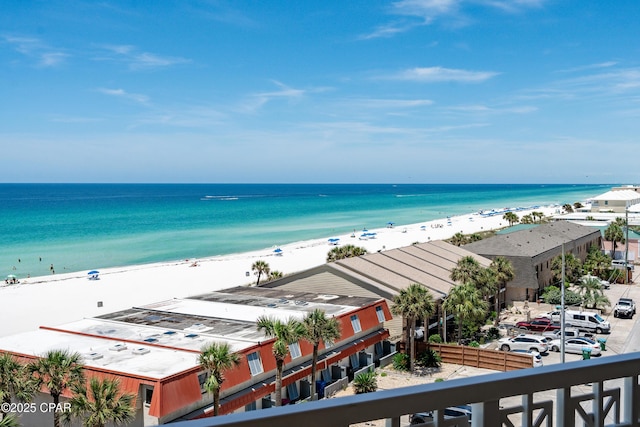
(539,324)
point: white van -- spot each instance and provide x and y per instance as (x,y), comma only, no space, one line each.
(586,321)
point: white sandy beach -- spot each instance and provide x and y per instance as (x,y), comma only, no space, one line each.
(61,298)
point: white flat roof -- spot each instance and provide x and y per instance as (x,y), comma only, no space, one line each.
(158,363)
(246,313)
(188,339)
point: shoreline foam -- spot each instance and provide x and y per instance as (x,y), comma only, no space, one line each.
(61,298)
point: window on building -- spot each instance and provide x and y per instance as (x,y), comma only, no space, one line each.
(250,407)
(148,395)
(255,364)
(380,313)
(355,323)
(202,379)
(294,350)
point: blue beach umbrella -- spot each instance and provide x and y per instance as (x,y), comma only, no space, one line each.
(334,240)
(277,251)
(94,272)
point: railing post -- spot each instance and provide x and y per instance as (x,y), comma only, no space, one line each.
(630,396)
(527,412)
(565,414)
(486,414)
(598,410)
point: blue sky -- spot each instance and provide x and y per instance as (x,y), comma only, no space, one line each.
(407,91)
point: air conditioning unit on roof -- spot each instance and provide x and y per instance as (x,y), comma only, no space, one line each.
(92,356)
(140,350)
(118,347)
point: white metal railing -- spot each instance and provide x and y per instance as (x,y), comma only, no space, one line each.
(613,400)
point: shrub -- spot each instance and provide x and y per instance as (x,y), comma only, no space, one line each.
(365,382)
(429,359)
(401,362)
(493,333)
(435,338)
(474,344)
(439,380)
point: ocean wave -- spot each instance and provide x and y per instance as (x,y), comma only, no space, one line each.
(220,198)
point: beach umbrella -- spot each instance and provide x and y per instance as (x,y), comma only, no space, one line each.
(11,276)
(334,240)
(277,251)
(94,272)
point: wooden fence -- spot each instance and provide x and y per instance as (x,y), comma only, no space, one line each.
(475,356)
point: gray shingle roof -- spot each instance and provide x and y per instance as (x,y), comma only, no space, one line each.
(531,242)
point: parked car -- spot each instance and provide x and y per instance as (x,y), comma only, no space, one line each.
(586,321)
(568,333)
(462,412)
(576,345)
(624,308)
(524,342)
(553,315)
(539,324)
(537,357)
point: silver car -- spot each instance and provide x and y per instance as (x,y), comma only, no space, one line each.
(524,342)
(577,345)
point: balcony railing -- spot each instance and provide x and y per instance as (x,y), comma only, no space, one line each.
(594,392)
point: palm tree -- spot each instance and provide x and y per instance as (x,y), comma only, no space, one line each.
(614,234)
(486,282)
(537,214)
(14,380)
(57,371)
(346,251)
(319,328)
(589,289)
(259,268)
(466,304)
(527,219)
(217,358)
(275,274)
(567,208)
(466,270)
(458,239)
(511,218)
(504,273)
(285,333)
(9,421)
(102,403)
(572,268)
(414,302)
(596,262)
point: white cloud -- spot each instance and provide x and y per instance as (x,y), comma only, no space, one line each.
(440,74)
(139,60)
(121,93)
(34,48)
(524,109)
(258,100)
(392,103)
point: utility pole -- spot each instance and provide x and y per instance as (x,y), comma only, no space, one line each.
(626,241)
(562,317)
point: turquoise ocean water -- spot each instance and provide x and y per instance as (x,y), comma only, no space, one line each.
(91,226)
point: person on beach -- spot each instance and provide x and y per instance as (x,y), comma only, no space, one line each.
(52,270)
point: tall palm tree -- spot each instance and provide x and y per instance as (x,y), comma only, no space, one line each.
(614,234)
(504,273)
(259,268)
(217,358)
(319,328)
(285,333)
(589,288)
(466,270)
(572,268)
(486,282)
(14,380)
(413,303)
(511,218)
(103,402)
(466,304)
(58,370)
